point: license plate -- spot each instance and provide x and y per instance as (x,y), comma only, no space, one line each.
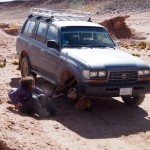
(125,91)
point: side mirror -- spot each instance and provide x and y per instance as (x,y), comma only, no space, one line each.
(52,44)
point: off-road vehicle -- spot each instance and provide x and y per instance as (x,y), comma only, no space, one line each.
(80,57)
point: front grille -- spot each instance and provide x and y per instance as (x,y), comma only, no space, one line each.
(122,77)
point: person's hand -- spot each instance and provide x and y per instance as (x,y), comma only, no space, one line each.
(18,105)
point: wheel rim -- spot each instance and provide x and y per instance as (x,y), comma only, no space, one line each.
(72,94)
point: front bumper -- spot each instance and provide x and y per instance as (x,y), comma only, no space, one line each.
(108,90)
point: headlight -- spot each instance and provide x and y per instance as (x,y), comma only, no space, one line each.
(93,74)
(86,74)
(89,74)
(143,72)
(102,73)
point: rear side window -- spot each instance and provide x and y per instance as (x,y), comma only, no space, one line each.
(41,32)
(25,31)
(29,27)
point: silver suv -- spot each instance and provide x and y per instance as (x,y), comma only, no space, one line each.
(80,57)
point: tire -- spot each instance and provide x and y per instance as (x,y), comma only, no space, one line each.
(133,100)
(25,67)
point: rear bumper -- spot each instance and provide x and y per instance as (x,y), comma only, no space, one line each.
(107,90)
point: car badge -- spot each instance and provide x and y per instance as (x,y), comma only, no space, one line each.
(124,76)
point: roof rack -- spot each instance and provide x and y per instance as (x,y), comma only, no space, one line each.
(61,14)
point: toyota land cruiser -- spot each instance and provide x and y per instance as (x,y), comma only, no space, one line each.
(73,53)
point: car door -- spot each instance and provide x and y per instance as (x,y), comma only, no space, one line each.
(26,42)
(33,46)
(37,45)
(51,57)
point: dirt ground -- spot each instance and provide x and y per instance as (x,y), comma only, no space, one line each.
(110,125)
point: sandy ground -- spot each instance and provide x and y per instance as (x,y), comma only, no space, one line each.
(111,125)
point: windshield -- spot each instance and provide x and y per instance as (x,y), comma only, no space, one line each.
(85,37)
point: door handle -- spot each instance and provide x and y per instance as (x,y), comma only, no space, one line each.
(30,44)
(42,50)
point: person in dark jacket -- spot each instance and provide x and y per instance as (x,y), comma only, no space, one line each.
(30,99)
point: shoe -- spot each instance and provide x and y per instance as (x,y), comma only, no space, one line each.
(44,113)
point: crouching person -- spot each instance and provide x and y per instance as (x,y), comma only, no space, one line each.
(46,106)
(25,101)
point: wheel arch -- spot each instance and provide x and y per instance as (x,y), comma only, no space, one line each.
(67,78)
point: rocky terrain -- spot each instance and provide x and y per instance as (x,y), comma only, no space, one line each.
(110,125)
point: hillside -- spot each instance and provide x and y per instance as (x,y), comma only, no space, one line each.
(100,8)
(96,6)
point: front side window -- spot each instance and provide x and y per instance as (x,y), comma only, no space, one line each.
(41,32)
(85,37)
(52,34)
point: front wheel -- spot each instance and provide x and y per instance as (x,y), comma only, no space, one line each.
(133,100)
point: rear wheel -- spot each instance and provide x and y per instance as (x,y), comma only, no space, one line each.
(26,68)
(133,100)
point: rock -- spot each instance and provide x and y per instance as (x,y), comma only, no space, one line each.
(117,27)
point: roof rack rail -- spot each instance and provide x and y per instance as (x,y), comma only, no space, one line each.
(61,14)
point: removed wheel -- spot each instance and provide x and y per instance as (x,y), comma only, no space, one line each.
(84,104)
(133,100)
